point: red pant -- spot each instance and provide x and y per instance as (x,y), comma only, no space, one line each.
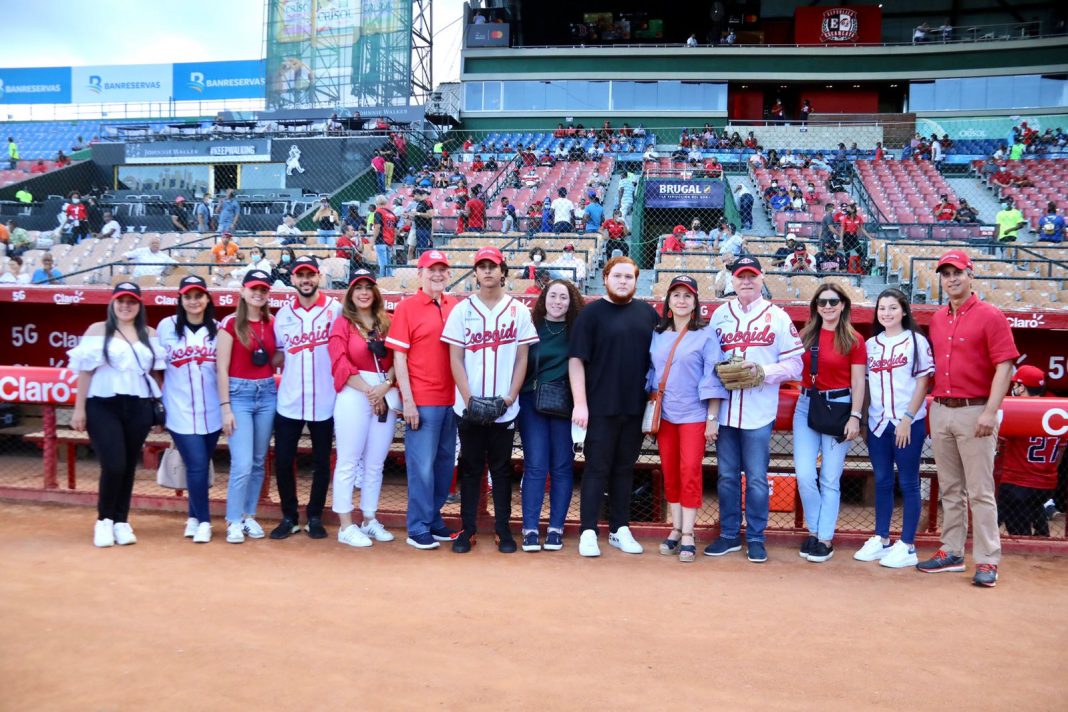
(682,447)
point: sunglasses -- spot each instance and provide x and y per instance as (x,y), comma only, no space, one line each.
(828,302)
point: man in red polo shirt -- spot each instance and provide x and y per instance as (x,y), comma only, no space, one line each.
(945,211)
(476,210)
(974,352)
(424,377)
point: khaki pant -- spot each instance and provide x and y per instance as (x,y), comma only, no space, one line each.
(966,475)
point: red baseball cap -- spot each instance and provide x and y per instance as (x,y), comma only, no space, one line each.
(256,278)
(191,282)
(489,253)
(1030,376)
(686,281)
(431,258)
(957,258)
(679,230)
(363,275)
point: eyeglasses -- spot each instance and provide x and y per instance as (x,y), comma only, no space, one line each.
(828,302)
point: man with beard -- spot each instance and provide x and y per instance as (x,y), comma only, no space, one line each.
(609,360)
(764,337)
(305,396)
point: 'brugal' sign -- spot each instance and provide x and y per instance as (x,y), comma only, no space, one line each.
(697,193)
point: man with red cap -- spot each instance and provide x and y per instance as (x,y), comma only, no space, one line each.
(673,242)
(488,334)
(974,352)
(1027,467)
(424,376)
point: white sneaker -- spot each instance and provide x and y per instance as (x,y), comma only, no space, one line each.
(899,557)
(235,533)
(124,534)
(376,531)
(191,527)
(104,533)
(203,533)
(588,544)
(624,541)
(873,550)
(252,528)
(352,536)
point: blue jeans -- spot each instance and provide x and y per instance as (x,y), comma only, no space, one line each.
(422,239)
(820,502)
(253,404)
(884,454)
(547,447)
(382,253)
(430,453)
(741,450)
(196,452)
(380,181)
(326,237)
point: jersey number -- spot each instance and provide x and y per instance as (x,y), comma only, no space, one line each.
(1044,450)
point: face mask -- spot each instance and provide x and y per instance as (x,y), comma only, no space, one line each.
(75,200)
(537,258)
(1007,206)
(285,258)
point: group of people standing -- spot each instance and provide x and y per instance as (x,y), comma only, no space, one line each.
(563,373)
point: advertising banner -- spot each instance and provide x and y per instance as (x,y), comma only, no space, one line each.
(121,83)
(842,25)
(495,34)
(253,150)
(205,81)
(684,194)
(37,85)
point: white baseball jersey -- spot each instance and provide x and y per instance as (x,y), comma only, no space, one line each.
(306,391)
(190,391)
(894,364)
(765,335)
(490,339)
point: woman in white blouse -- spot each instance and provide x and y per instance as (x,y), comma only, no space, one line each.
(114,361)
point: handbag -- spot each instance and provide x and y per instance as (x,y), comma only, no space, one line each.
(172,473)
(159,412)
(654,407)
(552,398)
(824,416)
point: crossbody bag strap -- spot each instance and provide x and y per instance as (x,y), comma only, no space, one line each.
(671,355)
(137,360)
(813,365)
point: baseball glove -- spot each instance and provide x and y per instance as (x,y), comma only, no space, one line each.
(484,411)
(736,377)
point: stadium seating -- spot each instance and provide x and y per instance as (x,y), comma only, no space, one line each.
(762,178)
(493,141)
(1050,177)
(905,191)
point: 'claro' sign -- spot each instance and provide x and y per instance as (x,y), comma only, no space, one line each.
(58,387)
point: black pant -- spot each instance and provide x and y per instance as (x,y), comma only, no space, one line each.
(611,246)
(745,211)
(286,436)
(1022,509)
(613,443)
(482,446)
(117,428)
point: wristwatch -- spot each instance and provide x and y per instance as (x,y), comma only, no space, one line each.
(856,415)
(712,418)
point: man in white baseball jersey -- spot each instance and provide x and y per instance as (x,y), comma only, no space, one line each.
(488,334)
(767,340)
(305,396)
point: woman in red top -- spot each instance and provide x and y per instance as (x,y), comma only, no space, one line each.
(244,350)
(363,419)
(841,363)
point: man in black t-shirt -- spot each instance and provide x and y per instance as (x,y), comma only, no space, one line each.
(609,360)
(422,221)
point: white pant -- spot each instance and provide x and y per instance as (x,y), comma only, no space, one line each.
(362,446)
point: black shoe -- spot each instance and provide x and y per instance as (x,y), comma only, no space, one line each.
(463,542)
(820,552)
(806,548)
(315,528)
(506,543)
(285,528)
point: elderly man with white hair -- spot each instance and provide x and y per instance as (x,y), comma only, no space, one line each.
(151,261)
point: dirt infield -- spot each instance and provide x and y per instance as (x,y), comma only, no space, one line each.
(167,624)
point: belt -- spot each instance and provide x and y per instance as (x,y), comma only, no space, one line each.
(839,393)
(960,402)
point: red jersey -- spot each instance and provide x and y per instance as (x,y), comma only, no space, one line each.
(1029,461)
(76,212)
(851,225)
(945,211)
(345,247)
(968,346)
(614,228)
(476,214)
(834,370)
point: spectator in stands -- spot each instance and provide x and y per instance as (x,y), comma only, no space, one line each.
(508,215)
(974,352)
(830,259)
(327,221)
(780,201)
(410,177)
(683,355)
(151,261)
(19,241)
(541,281)
(283,271)
(673,241)
(936,150)
(834,363)
(475,211)
(919,34)
(13,274)
(799,260)
(771,191)
(257,260)
(422,222)
(730,243)
(202,214)
(112,228)
(614,231)
(966,214)
(744,200)
(563,212)
(797,200)
(12,153)
(712,168)
(850,229)
(62,159)
(226,250)
(114,403)
(784,253)
(1026,467)
(593,214)
(77,217)
(819,163)
(378,165)
(229,210)
(1020,178)
(650,155)
(537,257)
(571,267)
(1010,221)
(1002,177)
(1051,225)
(477,164)
(288,231)
(773,161)
(1017,150)
(945,211)
(696,238)
(39,167)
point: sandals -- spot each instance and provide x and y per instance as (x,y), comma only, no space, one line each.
(670,547)
(687,552)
